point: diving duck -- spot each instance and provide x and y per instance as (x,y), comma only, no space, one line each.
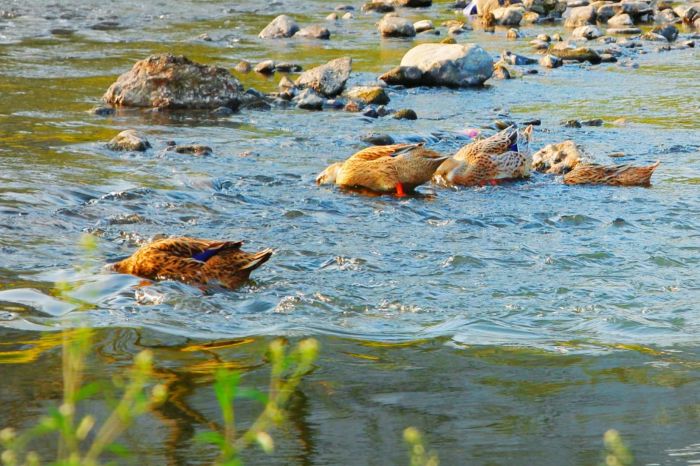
(194,261)
(614,175)
(396,168)
(504,156)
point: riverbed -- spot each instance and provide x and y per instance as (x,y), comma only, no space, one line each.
(512,324)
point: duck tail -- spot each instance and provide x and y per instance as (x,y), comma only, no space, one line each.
(256,260)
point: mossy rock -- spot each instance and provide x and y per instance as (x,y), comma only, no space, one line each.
(369,95)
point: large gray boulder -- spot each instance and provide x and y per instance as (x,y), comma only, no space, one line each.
(280,27)
(587,32)
(450,64)
(580,16)
(510,16)
(329,79)
(395,26)
(169,81)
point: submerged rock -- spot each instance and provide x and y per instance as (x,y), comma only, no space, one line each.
(314,32)
(587,32)
(369,95)
(280,27)
(550,61)
(515,59)
(624,31)
(168,81)
(377,139)
(449,64)
(102,111)
(559,158)
(129,140)
(308,99)
(395,26)
(405,114)
(567,51)
(192,149)
(329,79)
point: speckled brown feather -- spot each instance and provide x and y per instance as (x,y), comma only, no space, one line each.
(171,259)
(381,168)
(615,175)
(483,168)
(496,144)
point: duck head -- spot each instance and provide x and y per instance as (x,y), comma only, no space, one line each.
(329,175)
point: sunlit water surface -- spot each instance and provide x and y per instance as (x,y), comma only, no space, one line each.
(514,324)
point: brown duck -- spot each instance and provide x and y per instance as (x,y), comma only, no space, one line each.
(614,175)
(396,168)
(502,157)
(194,261)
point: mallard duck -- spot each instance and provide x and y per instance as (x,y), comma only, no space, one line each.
(396,168)
(502,157)
(195,261)
(614,175)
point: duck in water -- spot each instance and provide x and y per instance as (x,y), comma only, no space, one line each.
(505,156)
(396,168)
(613,175)
(193,261)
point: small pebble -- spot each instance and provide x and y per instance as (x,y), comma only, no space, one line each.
(378,139)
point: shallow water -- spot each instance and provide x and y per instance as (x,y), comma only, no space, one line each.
(514,324)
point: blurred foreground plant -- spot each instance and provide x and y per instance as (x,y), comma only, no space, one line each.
(73,447)
(616,452)
(417,453)
(287,368)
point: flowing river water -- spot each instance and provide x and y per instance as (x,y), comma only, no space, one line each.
(512,324)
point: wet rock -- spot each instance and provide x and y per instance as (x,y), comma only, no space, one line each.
(559,158)
(168,81)
(557,37)
(669,31)
(539,44)
(265,67)
(663,5)
(242,66)
(623,31)
(567,51)
(102,111)
(62,31)
(550,61)
(129,140)
(530,17)
(403,75)
(308,99)
(344,8)
(285,67)
(314,32)
(666,16)
(450,65)
(515,59)
(352,107)
(382,111)
(329,79)
(571,124)
(510,16)
(378,7)
(280,27)
(608,58)
(377,139)
(513,34)
(205,37)
(222,111)
(500,72)
(448,40)
(502,124)
(456,30)
(332,17)
(593,122)
(285,83)
(544,37)
(347,16)
(621,20)
(654,37)
(192,149)
(607,11)
(369,95)
(635,8)
(370,113)
(414,3)
(687,13)
(587,32)
(533,122)
(424,25)
(395,26)
(576,17)
(405,114)
(106,26)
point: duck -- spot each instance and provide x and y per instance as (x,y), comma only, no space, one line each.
(193,261)
(505,156)
(613,175)
(395,168)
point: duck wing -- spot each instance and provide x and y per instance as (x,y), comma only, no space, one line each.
(377,152)
(615,175)
(500,142)
(192,248)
